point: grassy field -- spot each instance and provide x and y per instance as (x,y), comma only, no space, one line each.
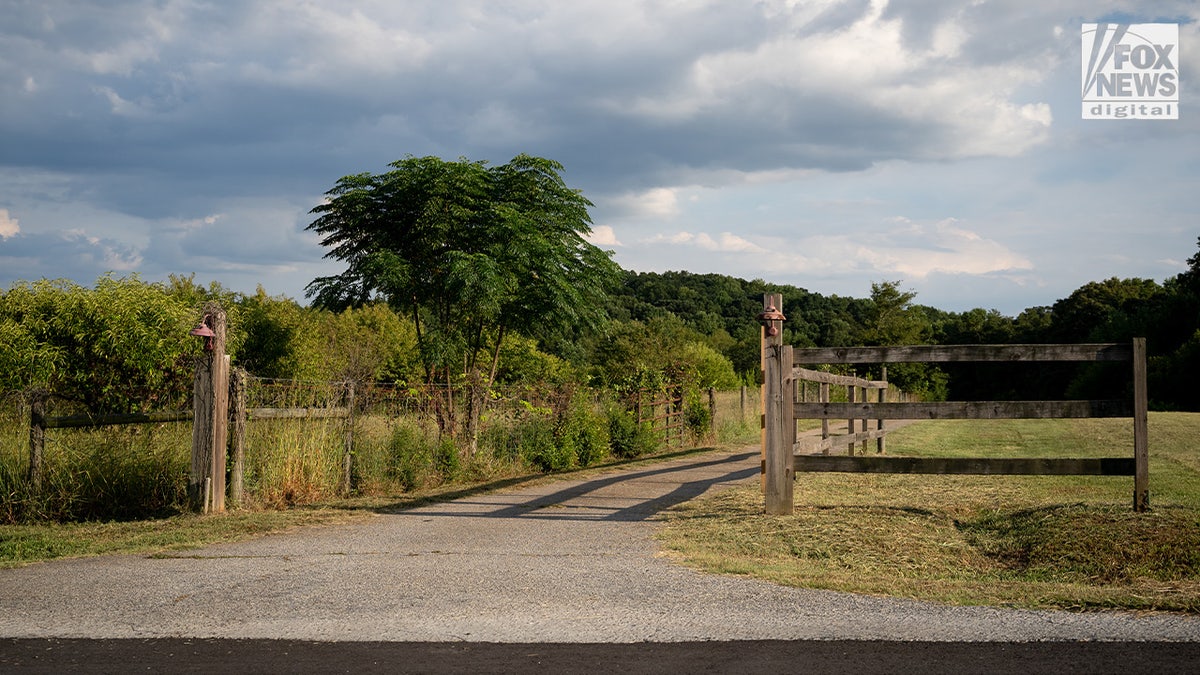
(1028,541)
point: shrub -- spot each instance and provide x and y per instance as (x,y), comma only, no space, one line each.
(410,460)
(446,459)
(697,417)
(538,446)
(583,433)
(627,438)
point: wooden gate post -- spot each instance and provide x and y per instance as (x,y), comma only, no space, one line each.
(37,439)
(210,421)
(777,462)
(237,437)
(1141,439)
(348,441)
(850,392)
(880,444)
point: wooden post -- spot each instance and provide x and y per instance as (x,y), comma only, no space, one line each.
(777,489)
(789,408)
(37,439)
(880,447)
(866,424)
(348,451)
(1141,438)
(743,403)
(850,391)
(237,440)
(210,425)
(802,385)
(824,398)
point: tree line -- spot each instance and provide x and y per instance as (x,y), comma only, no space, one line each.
(1167,314)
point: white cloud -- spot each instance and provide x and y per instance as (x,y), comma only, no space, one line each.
(340,46)
(767,139)
(8,225)
(908,249)
(725,242)
(966,108)
(659,202)
(603,235)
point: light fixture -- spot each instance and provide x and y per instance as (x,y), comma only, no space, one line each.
(203,330)
(768,318)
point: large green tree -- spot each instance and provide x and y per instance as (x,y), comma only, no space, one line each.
(471,252)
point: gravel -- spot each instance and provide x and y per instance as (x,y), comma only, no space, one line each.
(560,562)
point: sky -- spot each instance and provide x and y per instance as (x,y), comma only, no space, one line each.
(827,144)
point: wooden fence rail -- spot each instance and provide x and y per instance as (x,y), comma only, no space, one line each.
(208,493)
(856,434)
(779,367)
(664,411)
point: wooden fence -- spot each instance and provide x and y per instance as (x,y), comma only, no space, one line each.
(663,410)
(221,471)
(858,431)
(236,414)
(780,411)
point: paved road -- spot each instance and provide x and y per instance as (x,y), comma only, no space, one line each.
(565,562)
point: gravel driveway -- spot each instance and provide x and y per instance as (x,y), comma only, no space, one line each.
(559,562)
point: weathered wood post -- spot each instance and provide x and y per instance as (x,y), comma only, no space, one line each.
(880,443)
(1141,439)
(823,397)
(210,422)
(850,392)
(348,441)
(37,439)
(237,437)
(778,464)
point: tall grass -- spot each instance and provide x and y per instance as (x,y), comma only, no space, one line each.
(111,473)
(738,414)
(137,471)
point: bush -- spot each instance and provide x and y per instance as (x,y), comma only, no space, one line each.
(121,473)
(583,433)
(627,438)
(539,449)
(697,417)
(446,459)
(410,459)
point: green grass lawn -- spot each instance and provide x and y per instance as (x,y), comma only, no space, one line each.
(1029,541)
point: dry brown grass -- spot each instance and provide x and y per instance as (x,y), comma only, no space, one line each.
(1029,541)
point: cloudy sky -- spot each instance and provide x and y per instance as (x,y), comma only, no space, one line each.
(826,144)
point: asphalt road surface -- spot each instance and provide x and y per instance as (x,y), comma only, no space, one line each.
(531,579)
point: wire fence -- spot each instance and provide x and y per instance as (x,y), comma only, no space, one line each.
(401,442)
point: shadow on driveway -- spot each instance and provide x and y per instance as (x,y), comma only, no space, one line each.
(618,497)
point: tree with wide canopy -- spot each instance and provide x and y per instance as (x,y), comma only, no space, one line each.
(470,252)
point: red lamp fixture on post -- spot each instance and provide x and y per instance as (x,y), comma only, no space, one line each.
(203,330)
(768,318)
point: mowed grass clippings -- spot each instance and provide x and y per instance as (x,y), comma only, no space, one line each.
(1027,541)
